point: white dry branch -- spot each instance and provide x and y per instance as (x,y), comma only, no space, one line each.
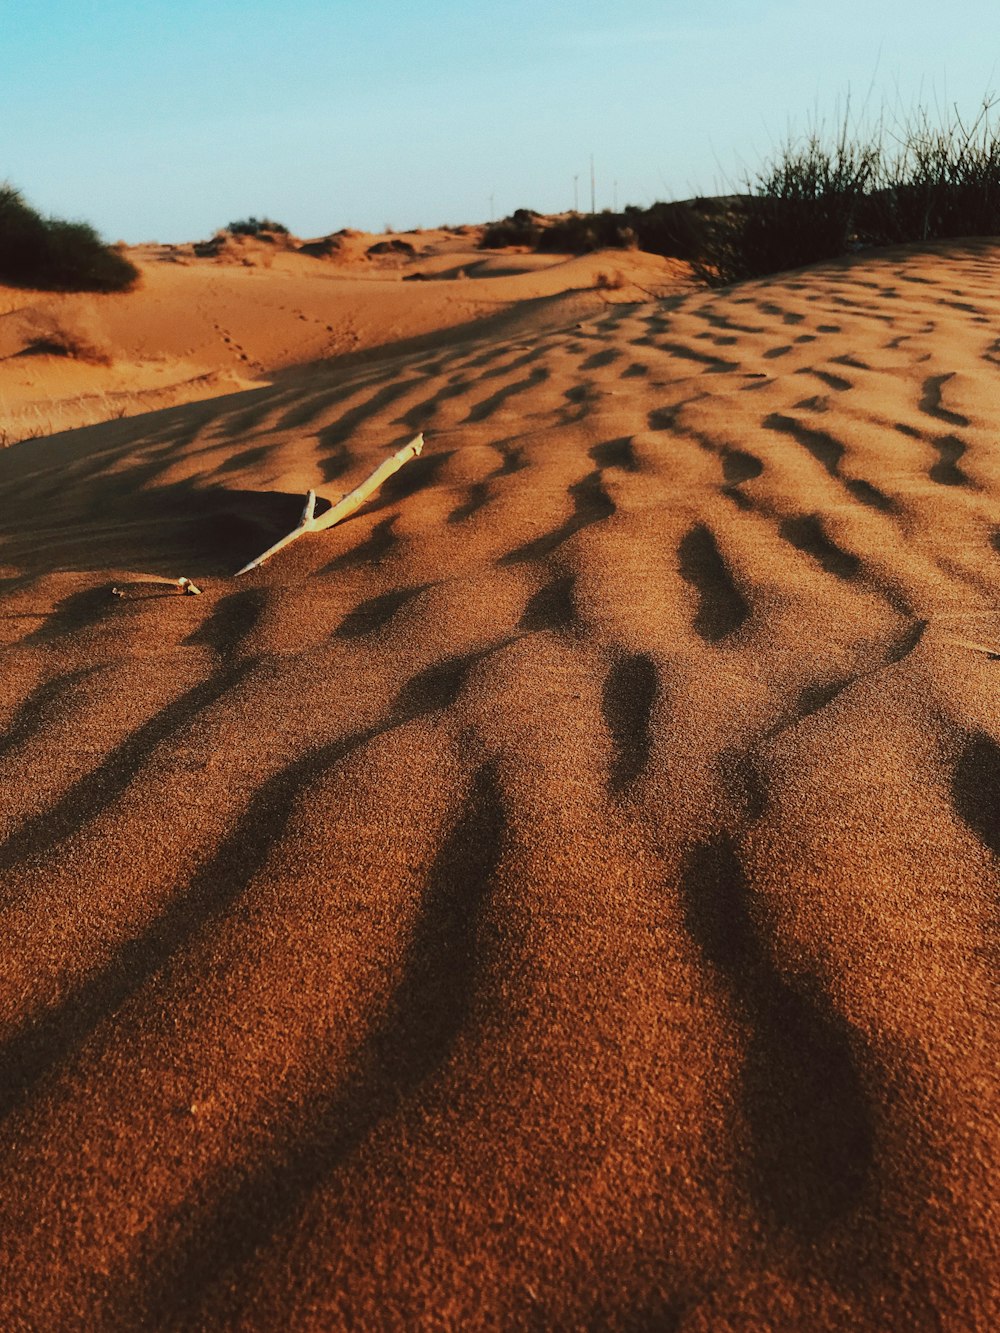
(975,646)
(188,588)
(344,507)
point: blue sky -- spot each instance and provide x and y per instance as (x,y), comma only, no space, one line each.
(166,120)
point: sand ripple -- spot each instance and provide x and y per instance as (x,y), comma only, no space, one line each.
(564,895)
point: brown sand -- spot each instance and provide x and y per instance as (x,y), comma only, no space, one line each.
(564,895)
(197,328)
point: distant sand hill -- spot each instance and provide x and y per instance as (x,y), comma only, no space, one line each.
(564,895)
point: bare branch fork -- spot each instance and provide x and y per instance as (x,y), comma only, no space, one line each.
(344,507)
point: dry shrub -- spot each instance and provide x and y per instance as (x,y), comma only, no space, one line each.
(73,334)
(821,198)
(610,282)
(264,229)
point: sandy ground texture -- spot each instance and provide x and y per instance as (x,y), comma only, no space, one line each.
(220,317)
(563,896)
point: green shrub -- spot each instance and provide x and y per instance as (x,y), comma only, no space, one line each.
(262,227)
(54,255)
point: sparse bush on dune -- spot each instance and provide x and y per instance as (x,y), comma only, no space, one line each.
(72,339)
(325,247)
(805,207)
(676,230)
(521,228)
(816,199)
(54,255)
(939,182)
(264,229)
(819,200)
(579,233)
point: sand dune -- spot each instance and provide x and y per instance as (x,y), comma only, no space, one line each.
(562,896)
(197,328)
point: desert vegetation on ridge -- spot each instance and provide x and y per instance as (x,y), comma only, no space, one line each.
(677,230)
(260,227)
(816,199)
(819,199)
(55,255)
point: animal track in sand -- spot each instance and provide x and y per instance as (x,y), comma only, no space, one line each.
(241,352)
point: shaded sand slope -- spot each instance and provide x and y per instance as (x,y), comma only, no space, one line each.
(562,896)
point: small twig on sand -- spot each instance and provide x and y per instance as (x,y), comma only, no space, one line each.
(992,653)
(344,506)
(188,588)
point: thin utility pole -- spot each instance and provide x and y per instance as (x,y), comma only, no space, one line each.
(576,193)
(492,209)
(593,195)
